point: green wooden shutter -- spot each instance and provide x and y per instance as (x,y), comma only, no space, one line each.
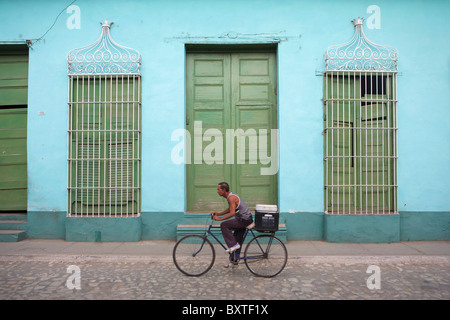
(13,159)
(340,142)
(13,75)
(120,173)
(359,143)
(13,127)
(104,158)
(376,157)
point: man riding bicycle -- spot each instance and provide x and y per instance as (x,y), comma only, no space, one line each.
(236,208)
(265,255)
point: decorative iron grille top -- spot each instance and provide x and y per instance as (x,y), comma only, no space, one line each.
(360,54)
(104,56)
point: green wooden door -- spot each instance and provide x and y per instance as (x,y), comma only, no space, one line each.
(231,110)
(13,127)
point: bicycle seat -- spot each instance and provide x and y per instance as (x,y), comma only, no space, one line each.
(251,226)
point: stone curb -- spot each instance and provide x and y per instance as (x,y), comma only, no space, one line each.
(347,260)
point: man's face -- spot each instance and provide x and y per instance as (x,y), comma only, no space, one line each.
(220,192)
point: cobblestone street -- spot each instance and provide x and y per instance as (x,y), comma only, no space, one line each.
(22,279)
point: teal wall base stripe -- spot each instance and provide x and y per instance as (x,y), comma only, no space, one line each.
(160,225)
(304,225)
(406,226)
(362,228)
(424,226)
(104,229)
(46,225)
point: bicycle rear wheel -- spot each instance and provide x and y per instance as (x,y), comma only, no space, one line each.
(265,256)
(193,255)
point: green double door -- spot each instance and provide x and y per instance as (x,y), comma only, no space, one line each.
(13,127)
(231,117)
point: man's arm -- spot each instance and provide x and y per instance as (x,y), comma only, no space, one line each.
(221,213)
(230,212)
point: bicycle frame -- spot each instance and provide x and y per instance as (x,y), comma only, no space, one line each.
(209,232)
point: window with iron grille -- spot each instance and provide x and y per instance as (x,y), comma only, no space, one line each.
(104,130)
(360,128)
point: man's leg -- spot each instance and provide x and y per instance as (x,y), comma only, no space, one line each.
(226,228)
(239,233)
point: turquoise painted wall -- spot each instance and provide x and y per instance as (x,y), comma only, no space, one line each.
(304,29)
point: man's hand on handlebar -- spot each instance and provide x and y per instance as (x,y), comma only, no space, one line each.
(214,216)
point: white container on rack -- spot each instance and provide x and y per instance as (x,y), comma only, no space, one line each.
(266,208)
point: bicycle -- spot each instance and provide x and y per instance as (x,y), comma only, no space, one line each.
(265,255)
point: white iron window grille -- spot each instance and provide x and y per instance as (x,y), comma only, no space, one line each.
(360,127)
(104,130)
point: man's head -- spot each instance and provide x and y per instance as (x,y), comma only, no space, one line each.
(223,188)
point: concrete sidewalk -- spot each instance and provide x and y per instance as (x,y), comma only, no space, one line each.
(305,251)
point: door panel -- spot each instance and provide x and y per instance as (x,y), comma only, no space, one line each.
(254,109)
(208,103)
(229,91)
(13,159)
(13,127)
(13,78)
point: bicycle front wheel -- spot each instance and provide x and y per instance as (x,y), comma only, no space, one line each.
(193,255)
(265,256)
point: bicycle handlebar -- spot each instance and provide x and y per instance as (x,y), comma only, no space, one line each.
(212,225)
